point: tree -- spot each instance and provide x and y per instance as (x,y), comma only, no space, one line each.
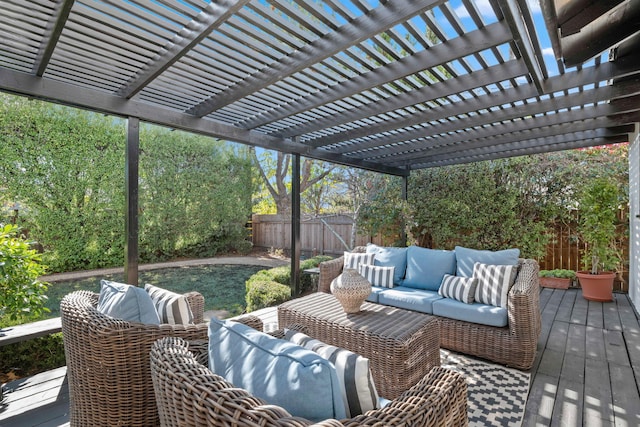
(276,176)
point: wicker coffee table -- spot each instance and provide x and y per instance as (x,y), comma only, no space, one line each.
(402,345)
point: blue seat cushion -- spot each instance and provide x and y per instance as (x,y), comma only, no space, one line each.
(278,371)
(409,298)
(466,258)
(375,292)
(427,267)
(390,257)
(483,314)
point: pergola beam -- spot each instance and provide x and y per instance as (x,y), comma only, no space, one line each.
(360,29)
(546,148)
(476,41)
(600,127)
(214,14)
(561,83)
(94,100)
(604,32)
(55,25)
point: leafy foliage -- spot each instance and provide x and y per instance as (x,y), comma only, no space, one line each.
(598,204)
(22,295)
(271,287)
(559,273)
(31,357)
(66,168)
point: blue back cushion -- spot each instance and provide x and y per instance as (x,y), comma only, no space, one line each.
(126,302)
(466,258)
(390,257)
(427,267)
(280,372)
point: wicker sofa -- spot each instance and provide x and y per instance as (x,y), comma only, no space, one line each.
(512,345)
(189,394)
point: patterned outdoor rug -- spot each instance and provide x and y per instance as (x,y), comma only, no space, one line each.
(497,394)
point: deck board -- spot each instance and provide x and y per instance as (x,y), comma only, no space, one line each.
(586,372)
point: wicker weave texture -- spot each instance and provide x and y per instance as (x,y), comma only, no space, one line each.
(402,345)
(514,345)
(108,362)
(189,394)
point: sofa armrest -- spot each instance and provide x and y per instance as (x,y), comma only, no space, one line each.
(439,399)
(524,304)
(329,270)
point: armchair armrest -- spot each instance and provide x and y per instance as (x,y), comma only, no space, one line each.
(439,399)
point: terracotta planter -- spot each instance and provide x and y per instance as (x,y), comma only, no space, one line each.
(596,287)
(555,282)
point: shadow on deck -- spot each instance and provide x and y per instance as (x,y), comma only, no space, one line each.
(586,371)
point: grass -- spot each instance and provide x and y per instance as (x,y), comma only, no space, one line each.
(222,285)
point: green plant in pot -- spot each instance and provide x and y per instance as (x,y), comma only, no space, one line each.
(557,278)
(598,206)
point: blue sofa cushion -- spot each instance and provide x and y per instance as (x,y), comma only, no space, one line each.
(409,298)
(483,314)
(466,259)
(390,257)
(126,302)
(375,291)
(427,267)
(280,372)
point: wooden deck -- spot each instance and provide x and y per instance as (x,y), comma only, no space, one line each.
(586,372)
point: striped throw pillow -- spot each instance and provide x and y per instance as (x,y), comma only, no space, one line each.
(354,375)
(494,282)
(459,288)
(172,308)
(352,260)
(377,275)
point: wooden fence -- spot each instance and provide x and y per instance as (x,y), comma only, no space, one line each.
(316,237)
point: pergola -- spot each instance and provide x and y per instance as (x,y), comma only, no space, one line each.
(388,86)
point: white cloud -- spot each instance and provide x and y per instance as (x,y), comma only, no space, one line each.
(483,6)
(548,51)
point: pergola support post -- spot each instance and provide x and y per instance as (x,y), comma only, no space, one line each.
(295,225)
(405,193)
(132,159)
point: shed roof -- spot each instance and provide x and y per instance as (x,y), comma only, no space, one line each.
(388,86)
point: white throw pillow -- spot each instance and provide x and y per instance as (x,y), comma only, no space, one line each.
(377,275)
(172,308)
(352,260)
(494,282)
(459,288)
(354,375)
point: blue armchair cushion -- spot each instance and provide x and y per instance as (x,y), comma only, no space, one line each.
(427,267)
(126,302)
(278,371)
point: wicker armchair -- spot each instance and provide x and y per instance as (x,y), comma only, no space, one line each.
(108,361)
(514,345)
(189,394)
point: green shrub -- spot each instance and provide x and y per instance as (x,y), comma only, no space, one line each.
(21,293)
(265,293)
(31,357)
(559,273)
(271,287)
